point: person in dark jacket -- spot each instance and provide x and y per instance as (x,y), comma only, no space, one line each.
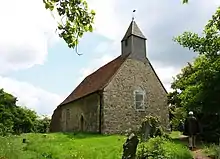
(191,129)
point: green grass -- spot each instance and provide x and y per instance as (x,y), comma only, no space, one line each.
(62,146)
(76,146)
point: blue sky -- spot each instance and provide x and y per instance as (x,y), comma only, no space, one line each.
(39,68)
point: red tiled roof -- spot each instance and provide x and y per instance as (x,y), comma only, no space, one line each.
(95,81)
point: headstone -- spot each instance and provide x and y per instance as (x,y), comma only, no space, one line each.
(146,131)
(130,147)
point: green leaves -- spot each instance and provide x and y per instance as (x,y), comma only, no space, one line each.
(185,1)
(209,43)
(197,87)
(78,19)
(15,119)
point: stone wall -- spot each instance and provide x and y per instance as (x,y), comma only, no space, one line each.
(55,124)
(81,115)
(119,108)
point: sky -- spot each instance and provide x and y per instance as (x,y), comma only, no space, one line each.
(39,69)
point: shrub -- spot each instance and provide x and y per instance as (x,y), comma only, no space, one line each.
(178,115)
(161,148)
(212,151)
(151,124)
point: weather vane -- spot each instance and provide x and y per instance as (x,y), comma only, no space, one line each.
(133,15)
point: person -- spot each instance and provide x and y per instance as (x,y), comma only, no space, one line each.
(191,129)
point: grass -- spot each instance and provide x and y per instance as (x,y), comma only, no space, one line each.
(61,146)
(76,146)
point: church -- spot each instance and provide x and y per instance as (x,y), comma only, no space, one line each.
(117,96)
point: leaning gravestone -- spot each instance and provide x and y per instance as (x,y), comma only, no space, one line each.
(130,147)
(145,132)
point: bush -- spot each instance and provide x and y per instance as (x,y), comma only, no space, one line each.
(212,151)
(151,124)
(16,119)
(161,148)
(179,114)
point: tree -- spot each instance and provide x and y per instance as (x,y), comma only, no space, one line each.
(16,119)
(197,87)
(24,120)
(74,18)
(7,110)
(198,84)
(43,124)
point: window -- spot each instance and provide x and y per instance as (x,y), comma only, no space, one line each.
(139,100)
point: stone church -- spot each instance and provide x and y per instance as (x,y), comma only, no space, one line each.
(117,96)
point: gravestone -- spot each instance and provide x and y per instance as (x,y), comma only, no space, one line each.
(130,147)
(146,128)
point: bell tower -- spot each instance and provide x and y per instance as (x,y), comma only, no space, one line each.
(134,43)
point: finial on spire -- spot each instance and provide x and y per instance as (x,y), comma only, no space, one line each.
(133,15)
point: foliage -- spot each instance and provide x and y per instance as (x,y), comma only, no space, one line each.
(185,1)
(42,125)
(161,148)
(197,87)
(152,123)
(62,146)
(209,43)
(75,19)
(179,115)
(16,119)
(212,151)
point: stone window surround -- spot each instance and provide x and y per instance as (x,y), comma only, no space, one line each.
(142,92)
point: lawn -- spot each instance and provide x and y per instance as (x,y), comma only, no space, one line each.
(74,146)
(61,146)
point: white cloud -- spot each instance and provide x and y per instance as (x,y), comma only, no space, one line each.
(28,95)
(113,17)
(27,30)
(106,22)
(165,74)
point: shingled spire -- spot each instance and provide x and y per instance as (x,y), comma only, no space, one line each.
(133,42)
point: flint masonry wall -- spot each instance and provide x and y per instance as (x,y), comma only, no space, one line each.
(119,110)
(86,108)
(55,124)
